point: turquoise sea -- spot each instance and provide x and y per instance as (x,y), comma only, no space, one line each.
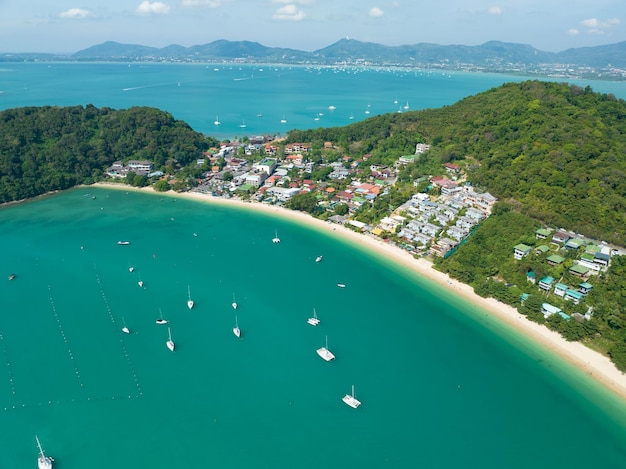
(258,97)
(443,384)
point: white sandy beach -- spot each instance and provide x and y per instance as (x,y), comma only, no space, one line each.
(591,362)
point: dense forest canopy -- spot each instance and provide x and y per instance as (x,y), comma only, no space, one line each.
(557,151)
(51,148)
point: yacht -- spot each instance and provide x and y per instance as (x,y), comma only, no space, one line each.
(313,321)
(123,243)
(236,329)
(234,303)
(341,285)
(331,108)
(125,329)
(318,259)
(43,461)
(351,400)
(189,301)
(243,125)
(276,239)
(217,121)
(161,320)
(325,353)
(170,342)
(283,120)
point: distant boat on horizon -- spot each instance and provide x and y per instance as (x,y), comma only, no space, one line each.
(283,120)
(217,121)
(243,125)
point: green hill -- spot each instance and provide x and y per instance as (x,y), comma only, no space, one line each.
(48,148)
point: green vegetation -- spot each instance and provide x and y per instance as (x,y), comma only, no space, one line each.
(53,148)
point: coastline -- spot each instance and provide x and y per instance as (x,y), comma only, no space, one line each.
(594,364)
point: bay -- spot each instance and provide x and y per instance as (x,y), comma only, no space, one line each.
(258,97)
(442,385)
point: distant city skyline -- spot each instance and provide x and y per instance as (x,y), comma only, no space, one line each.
(67,26)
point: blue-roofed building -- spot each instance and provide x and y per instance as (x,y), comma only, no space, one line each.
(546,283)
(573,295)
(585,288)
(547,309)
(560,289)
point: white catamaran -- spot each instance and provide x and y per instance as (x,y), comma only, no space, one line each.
(351,400)
(314,321)
(325,353)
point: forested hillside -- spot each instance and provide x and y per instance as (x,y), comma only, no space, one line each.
(557,152)
(51,148)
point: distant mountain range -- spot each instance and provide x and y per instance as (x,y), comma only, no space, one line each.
(490,56)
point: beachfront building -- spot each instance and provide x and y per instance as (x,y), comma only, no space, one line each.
(282,194)
(267,165)
(548,310)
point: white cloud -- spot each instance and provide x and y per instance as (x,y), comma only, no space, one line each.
(154,8)
(376,12)
(595,26)
(75,13)
(289,13)
(494,10)
(295,2)
(573,32)
(201,3)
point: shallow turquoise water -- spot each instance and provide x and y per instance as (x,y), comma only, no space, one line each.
(442,384)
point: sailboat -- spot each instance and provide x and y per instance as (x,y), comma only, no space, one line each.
(283,120)
(406,106)
(325,353)
(131,269)
(170,342)
(313,321)
(161,320)
(125,329)
(189,301)
(243,125)
(236,329)
(234,303)
(43,461)
(217,120)
(140,282)
(276,239)
(318,259)
(351,400)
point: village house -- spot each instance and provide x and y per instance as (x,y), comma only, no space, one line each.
(520,251)
(297,148)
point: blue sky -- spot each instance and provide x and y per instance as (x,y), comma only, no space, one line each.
(67,26)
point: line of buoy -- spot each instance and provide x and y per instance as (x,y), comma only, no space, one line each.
(69,350)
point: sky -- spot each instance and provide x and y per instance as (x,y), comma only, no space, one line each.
(67,26)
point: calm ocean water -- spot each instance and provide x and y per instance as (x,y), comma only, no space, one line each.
(442,384)
(258,97)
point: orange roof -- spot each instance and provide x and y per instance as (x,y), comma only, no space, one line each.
(330,190)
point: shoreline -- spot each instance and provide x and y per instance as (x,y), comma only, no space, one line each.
(590,362)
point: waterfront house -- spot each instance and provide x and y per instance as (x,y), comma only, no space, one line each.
(547,309)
